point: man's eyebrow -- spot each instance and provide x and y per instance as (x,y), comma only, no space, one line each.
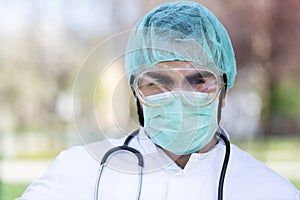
(159,76)
(198,74)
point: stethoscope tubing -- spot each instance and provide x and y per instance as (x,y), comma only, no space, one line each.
(140,158)
(224,166)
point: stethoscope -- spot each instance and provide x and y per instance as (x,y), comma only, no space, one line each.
(140,158)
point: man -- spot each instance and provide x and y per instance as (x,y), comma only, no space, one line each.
(180,64)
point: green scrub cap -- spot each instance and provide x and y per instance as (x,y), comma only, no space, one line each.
(183,31)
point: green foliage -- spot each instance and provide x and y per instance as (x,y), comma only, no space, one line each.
(10,191)
(296,183)
(287,98)
(277,149)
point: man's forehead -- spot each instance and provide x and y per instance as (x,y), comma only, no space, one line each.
(177,64)
(188,65)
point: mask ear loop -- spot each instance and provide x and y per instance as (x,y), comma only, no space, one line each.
(138,104)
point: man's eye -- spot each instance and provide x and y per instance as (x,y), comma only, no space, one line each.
(198,81)
(159,82)
(153,83)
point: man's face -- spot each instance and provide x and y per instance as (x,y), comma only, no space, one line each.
(180,105)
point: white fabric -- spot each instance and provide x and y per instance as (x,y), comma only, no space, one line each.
(73,174)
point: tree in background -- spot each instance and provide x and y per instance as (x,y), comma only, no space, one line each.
(266,37)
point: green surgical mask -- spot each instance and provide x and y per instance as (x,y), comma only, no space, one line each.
(179,127)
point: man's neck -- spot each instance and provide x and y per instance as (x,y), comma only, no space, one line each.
(181,160)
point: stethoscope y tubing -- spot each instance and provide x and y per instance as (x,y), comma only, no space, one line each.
(112,151)
(139,156)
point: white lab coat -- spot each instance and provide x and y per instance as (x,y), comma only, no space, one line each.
(73,175)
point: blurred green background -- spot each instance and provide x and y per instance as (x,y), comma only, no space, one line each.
(44,43)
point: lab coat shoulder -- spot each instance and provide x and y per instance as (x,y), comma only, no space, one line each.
(251,179)
(44,186)
(71,175)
